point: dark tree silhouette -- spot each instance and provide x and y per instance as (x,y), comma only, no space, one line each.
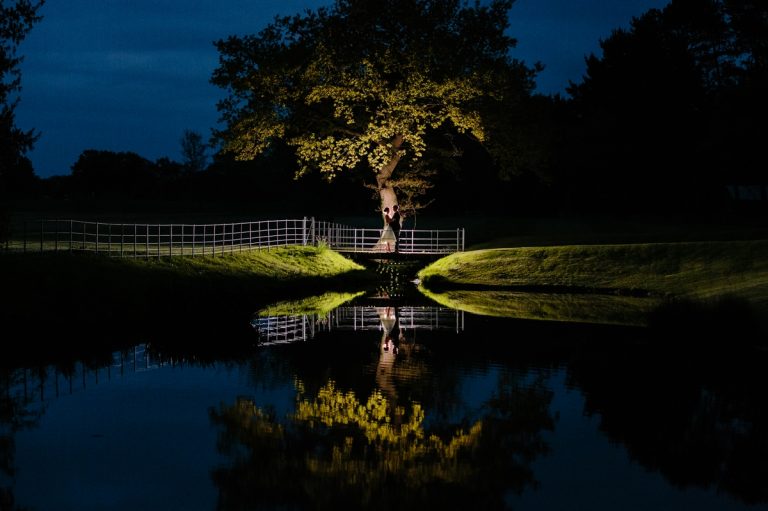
(107,174)
(666,117)
(16,20)
(193,151)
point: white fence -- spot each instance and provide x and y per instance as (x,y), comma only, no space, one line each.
(158,240)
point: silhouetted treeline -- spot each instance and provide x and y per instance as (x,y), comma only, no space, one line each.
(670,119)
(673,112)
(267,183)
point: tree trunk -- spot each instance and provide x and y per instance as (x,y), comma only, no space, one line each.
(386,191)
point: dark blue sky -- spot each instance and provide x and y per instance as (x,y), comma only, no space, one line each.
(132,75)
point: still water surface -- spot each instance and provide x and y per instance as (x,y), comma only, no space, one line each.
(386,405)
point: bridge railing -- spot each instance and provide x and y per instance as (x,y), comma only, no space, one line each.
(344,238)
(164,239)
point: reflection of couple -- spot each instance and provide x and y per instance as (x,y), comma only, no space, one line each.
(388,353)
(389,321)
(390,236)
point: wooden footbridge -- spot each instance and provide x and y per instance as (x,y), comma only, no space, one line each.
(163,240)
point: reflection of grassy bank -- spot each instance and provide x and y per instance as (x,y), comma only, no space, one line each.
(321,304)
(98,299)
(577,308)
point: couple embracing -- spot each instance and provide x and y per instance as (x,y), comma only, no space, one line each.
(390,236)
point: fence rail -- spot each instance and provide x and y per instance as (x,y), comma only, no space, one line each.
(158,240)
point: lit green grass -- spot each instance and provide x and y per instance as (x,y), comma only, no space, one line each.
(699,270)
(278,263)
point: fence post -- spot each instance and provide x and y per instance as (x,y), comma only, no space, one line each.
(41,235)
(304,231)
(122,238)
(170,239)
(70,235)
(312,232)
(56,240)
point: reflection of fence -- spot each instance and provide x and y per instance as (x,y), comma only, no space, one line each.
(157,240)
(303,327)
(412,318)
(46,383)
(345,238)
(285,329)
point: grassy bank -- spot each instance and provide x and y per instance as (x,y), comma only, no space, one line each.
(98,299)
(600,283)
(698,270)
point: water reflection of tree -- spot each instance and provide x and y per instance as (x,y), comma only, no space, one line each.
(697,416)
(15,415)
(337,450)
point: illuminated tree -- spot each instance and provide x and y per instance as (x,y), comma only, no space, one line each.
(369,85)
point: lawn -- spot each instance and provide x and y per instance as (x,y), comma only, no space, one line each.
(600,283)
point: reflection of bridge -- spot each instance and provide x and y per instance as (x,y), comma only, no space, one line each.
(303,327)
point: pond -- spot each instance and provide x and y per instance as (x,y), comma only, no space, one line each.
(391,401)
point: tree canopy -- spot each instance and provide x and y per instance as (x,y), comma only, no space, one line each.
(369,85)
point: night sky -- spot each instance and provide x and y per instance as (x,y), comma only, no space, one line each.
(132,75)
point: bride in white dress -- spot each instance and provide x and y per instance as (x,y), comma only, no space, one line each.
(388,239)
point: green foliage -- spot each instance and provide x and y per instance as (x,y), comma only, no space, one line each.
(368,84)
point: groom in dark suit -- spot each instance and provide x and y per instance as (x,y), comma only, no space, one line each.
(395,224)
